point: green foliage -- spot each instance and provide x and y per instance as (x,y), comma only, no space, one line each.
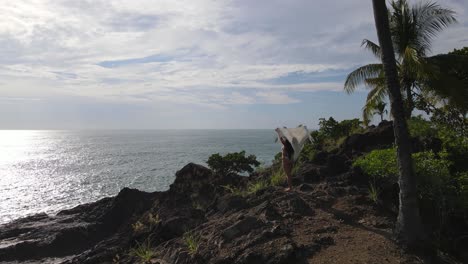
(420,127)
(378,163)
(192,242)
(462,182)
(257,186)
(463,51)
(382,163)
(432,173)
(330,128)
(251,188)
(308,152)
(331,133)
(412,31)
(278,177)
(454,141)
(442,195)
(235,162)
(143,251)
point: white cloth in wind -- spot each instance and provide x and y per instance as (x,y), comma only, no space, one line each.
(296,136)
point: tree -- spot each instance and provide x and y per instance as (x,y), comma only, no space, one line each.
(235,162)
(412,30)
(380,110)
(377,108)
(463,51)
(408,228)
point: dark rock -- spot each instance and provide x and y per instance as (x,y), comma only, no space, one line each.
(230,202)
(375,138)
(337,164)
(305,187)
(320,158)
(241,227)
(312,173)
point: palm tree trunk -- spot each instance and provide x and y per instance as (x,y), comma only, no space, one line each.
(408,229)
(409,100)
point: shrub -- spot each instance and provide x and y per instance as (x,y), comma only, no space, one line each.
(378,163)
(429,168)
(420,127)
(331,132)
(235,162)
(442,195)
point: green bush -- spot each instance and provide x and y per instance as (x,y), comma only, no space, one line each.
(378,163)
(420,127)
(235,162)
(442,195)
(331,132)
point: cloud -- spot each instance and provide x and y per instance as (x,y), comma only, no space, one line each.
(213,53)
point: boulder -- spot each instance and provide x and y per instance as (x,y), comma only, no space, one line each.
(375,138)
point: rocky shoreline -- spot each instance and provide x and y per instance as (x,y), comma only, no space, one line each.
(328,218)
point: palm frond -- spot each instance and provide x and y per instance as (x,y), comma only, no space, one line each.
(374,48)
(359,76)
(429,19)
(373,82)
(375,97)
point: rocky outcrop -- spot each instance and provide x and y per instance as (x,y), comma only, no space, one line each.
(268,226)
(375,138)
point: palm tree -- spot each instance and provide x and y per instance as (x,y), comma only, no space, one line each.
(408,228)
(379,109)
(412,30)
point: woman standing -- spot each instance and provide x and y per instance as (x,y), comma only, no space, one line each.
(287,152)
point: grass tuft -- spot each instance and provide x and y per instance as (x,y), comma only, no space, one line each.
(373,193)
(192,242)
(153,220)
(257,186)
(138,227)
(143,251)
(278,177)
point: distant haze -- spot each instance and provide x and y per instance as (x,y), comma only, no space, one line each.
(115,64)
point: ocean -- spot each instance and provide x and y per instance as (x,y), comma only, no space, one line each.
(48,171)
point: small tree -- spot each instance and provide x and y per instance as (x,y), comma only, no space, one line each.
(235,162)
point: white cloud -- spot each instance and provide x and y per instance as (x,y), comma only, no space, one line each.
(55,47)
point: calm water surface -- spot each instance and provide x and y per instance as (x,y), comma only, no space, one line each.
(47,171)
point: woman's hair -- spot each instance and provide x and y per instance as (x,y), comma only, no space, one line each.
(288,146)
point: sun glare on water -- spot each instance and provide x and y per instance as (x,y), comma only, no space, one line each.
(15,145)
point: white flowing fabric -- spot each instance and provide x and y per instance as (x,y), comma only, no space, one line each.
(296,136)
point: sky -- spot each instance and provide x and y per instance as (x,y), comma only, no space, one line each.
(195,64)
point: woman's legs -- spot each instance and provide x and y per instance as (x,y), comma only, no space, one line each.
(287,166)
